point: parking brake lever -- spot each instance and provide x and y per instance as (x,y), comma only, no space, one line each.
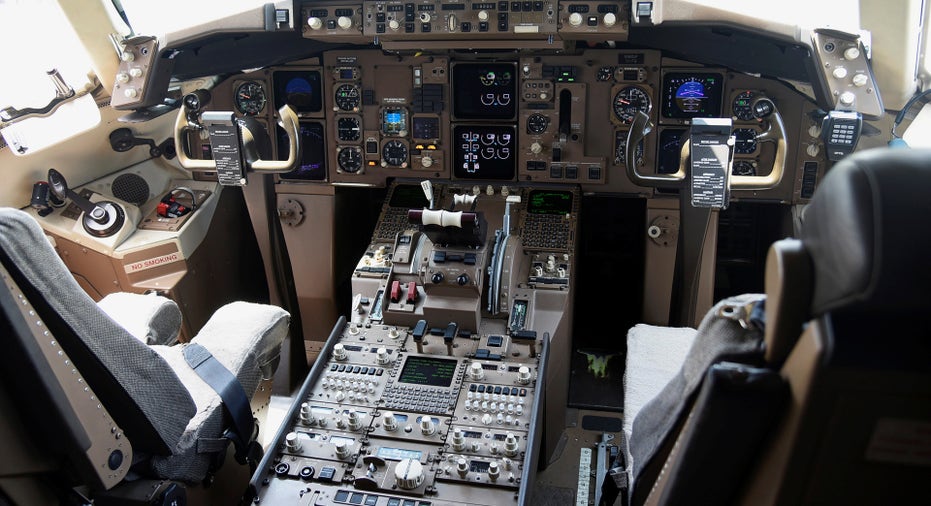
(59,187)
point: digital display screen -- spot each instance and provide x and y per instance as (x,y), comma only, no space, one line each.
(394,121)
(430,371)
(692,94)
(301,89)
(549,202)
(671,141)
(484,151)
(408,196)
(398,454)
(313,156)
(484,91)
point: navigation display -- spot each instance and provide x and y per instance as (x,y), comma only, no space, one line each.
(312,154)
(484,151)
(301,89)
(692,94)
(408,196)
(485,91)
(431,371)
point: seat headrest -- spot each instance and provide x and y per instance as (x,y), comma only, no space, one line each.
(868,231)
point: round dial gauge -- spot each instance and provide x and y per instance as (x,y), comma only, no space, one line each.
(620,150)
(394,153)
(745,140)
(348,128)
(347,97)
(250,98)
(743,106)
(743,168)
(350,159)
(628,101)
(537,123)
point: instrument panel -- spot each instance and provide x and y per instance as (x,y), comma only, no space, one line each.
(368,116)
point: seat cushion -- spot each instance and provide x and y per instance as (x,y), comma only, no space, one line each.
(150,318)
(654,355)
(243,336)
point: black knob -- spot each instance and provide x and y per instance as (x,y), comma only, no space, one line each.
(437,278)
(763,108)
(462,279)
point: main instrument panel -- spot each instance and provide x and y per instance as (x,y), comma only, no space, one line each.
(368,116)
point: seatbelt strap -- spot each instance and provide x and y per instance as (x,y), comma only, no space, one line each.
(227,386)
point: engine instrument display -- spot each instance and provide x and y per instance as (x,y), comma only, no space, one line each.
(689,95)
(485,91)
(301,89)
(627,101)
(484,151)
(250,98)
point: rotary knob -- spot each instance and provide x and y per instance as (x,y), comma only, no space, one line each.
(394,25)
(575,19)
(307,415)
(523,375)
(427,427)
(408,474)
(458,441)
(355,421)
(344,22)
(426,161)
(510,445)
(493,471)
(292,442)
(462,467)
(437,278)
(314,23)
(483,15)
(839,72)
(536,148)
(135,72)
(610,19)
(851,53)
(476,371)
(462,279)
(342,449)
(339,351)
(424,17)
(390,422)
(127,56)
(382,356)
(847,98)
(860,79)
(122,77)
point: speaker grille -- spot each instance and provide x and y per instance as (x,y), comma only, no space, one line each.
(131,188)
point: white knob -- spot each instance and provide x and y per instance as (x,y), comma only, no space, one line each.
(342,449)
(408,474)
(394,25)
(314,23)
(427,427)
(339,351)
(487,419)
(812,150)
(452,23)
(393,333)
(135,72)
(483,15)
(523,375)
(307,415)
(544,95)
(519,410)
(852,53)
(122,77)
(575,19)
(426,161)
(355,421)
(814,131)
(292,442)
(382,356)
(462,467)
(340,423)
(839,72)
(510,445)
(353,331)
(860,79)
(424,17)
(458,441)
(344,22)
(493,471)
(130,93)
(610,19)
(536,148)
(390,422)
(127,56)
(489,190)
(340,396)
(847,98)
(476,372)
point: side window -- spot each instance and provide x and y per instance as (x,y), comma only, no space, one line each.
(36,39)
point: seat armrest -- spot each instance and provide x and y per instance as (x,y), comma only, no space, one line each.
(150,318)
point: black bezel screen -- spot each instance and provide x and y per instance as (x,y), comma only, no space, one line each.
(408,196)
(301,89)
(428,371)
(484,91)
(689,95)
(484,151)
(313,152)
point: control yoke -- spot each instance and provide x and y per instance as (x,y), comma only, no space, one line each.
(763,108)
(189,118)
